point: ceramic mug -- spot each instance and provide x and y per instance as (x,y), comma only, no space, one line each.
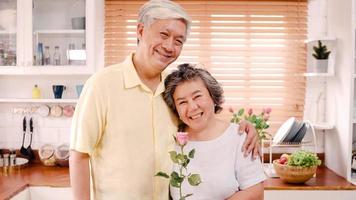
(79,89)
(58,91)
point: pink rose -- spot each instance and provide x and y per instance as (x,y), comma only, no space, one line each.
(266,117)
(182,138)
(231,109)
(250,111)
(268,110)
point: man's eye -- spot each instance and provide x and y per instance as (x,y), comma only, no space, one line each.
(179,42)
(164,34)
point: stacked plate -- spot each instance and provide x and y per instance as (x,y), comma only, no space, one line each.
(291,131)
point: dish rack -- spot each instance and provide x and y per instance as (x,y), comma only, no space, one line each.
(268,167)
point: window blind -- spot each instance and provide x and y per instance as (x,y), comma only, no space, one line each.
(255,49)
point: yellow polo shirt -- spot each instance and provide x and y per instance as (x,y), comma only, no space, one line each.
(127,131)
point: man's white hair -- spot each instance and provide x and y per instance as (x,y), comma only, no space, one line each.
(162,9)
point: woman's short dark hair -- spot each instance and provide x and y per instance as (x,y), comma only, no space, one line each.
(188,72)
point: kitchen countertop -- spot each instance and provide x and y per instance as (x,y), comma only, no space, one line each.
(39,175)
(33,175)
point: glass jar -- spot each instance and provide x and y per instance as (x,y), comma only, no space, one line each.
(46,56)
(56,56)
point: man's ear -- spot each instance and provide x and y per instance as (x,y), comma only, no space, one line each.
(139,31)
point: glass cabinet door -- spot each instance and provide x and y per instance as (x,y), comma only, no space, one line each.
(59,33)
(8,29)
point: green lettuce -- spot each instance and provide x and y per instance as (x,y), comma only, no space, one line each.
(303,158)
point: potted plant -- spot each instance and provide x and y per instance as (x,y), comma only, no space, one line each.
(321,54)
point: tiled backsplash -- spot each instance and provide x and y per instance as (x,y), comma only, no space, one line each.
(54,130)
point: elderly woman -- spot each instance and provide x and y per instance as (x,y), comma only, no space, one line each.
(195,97)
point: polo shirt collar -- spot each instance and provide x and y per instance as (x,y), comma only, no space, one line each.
(131,78)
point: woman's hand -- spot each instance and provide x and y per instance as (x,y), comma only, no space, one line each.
(251,142)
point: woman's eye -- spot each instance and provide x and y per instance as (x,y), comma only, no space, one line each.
(182,103)
(198,96)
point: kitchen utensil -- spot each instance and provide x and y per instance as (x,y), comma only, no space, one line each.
(79,89)
(56,111)
(23,150)
(30,153)
(283,131)
(58,91)
(294,174)
(68,110)
(300,135)
(293,131)
(78,22)
(43,111)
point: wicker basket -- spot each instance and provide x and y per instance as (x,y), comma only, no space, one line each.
(291,174)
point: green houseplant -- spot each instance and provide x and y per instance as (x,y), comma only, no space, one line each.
(321,54)
(259,121)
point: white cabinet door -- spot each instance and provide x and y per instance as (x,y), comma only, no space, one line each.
(23,195)
(52,193)
(310,194)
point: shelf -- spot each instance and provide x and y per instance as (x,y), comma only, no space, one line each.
(323,126)
(17,100)
(319,74)
(322,39)
(46,70)
(7,32)
(59,31)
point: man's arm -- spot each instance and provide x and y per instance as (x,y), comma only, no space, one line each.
(252,193)
(79,175)
(251,143)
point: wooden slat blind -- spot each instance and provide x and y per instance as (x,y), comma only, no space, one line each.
(254,48)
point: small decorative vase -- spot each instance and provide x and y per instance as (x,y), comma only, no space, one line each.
(321,66)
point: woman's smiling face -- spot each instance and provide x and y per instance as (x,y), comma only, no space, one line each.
(194,104)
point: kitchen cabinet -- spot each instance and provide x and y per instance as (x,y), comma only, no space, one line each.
(44,193)
(53,42)
(309,194)
(49,37)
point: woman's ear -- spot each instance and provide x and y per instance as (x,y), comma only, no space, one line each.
(139,31)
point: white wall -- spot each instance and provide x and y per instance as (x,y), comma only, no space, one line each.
(46,129)
(339,89)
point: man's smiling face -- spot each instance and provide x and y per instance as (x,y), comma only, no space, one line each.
(161,42)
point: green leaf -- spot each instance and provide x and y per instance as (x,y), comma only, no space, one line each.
(186,162)
(241,112)
(180,158)
(194,179)
(191,153)
(174,156)
(162,174)
(176,180)
(185,196)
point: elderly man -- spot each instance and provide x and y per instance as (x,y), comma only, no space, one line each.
(122,129)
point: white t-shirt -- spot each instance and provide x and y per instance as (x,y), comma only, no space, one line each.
(222,167)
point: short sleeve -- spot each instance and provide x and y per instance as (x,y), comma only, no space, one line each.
(248,172)
(88,119)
